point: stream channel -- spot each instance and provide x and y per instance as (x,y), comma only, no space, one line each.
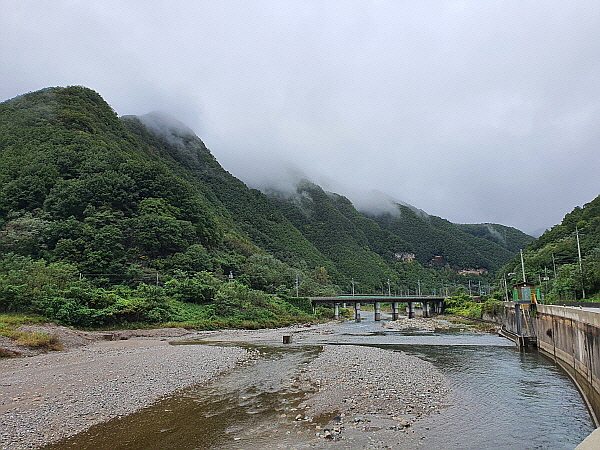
(500,399)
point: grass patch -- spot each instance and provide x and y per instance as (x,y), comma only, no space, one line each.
(8,328)
(485,327)
(476,325)
(456,319)
(10,322)
(38,340)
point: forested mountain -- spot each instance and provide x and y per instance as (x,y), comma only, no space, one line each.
(553,260)
(507,237)
(333,225)
(102,203)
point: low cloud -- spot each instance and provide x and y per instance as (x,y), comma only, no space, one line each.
(476,112)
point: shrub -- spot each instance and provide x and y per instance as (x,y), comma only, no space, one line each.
(493,306)
(461,304)
(302,303)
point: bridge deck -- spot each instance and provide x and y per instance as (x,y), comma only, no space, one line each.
(435,304)
(377,299)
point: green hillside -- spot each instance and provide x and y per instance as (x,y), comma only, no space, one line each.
(324,220)
(507,237)
(107,220)
(247,212)
(407,248)
(430,236)
(552,261)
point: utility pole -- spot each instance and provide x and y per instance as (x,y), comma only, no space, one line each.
(352,287)
(419,282)
(580,267)
(523,267)
(389,288)
(297,284)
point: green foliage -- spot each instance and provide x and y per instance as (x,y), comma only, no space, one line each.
(552,261)
(266,273)
(493,307)
(302,303)
(506,237)
(461,304)
(92,206)
(325,312)
(23,233)
(200,288)
(429,236)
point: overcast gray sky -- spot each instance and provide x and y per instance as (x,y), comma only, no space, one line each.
(472,110)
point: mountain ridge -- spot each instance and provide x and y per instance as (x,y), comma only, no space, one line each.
(135,194)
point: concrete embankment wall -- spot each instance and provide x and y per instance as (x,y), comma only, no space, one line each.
(571,337)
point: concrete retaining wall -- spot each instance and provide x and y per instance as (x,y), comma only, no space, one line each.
(571,337)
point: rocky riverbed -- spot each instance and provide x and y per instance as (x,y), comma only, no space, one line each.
(366,389)
(48,397)
(350,389)
(417,323)
(366,397)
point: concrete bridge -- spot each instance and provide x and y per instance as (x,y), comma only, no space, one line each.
(431,305)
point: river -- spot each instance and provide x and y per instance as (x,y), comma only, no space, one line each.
(501,399)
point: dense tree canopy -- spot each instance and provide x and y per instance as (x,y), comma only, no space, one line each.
(127,215)
(553,261)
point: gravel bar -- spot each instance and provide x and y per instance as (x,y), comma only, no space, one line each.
(365,397)
(51,396)
(354,379)
(370,397)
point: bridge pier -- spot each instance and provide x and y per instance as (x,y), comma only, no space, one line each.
(336,311)
(431,305)
(394,310)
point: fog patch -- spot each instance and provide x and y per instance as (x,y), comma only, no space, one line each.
(167,127)
(280,181)
(375,203)
(495,233)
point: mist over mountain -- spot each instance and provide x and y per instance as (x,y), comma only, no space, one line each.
(143,193)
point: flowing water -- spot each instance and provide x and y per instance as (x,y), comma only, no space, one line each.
(501,399)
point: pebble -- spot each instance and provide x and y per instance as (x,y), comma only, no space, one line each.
(361,385)
(59,394)
(417,323)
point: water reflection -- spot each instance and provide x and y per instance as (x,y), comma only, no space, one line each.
(504,399)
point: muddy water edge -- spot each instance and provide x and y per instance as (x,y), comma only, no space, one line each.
(499,398)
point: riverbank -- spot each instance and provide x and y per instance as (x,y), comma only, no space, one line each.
(50,396)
